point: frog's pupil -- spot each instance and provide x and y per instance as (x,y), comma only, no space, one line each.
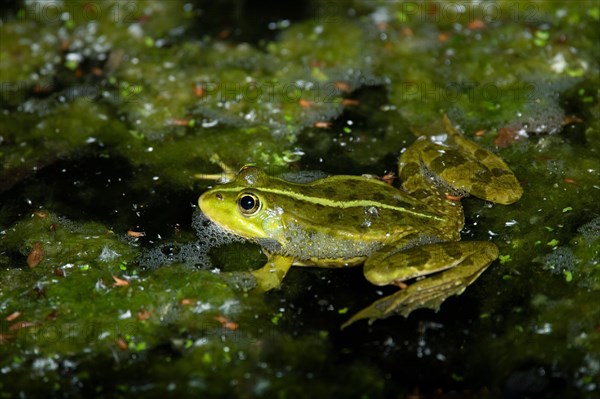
(247,202)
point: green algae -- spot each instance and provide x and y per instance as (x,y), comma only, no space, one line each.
(144,92)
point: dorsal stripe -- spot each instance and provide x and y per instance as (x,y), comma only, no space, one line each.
(333,203)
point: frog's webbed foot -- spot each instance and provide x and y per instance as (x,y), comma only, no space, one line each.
(449,268)
(383,308)
(426,293)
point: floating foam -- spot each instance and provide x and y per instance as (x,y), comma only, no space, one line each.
(193,254)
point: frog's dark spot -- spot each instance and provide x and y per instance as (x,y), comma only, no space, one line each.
(351,183)
(379,197)
(416,257)
(450,159)
(481,154)
(329,192)
(333,216)
(362,228)
(436,166)
(483,176)
(453,250)
(468,262)
(497,172)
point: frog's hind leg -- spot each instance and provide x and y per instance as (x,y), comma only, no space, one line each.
(461,166)
(455,264)
(424,186)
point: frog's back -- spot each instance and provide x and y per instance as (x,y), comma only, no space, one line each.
(354,213)
(342,192)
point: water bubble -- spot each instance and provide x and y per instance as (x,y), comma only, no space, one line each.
(561,260)
(372,211)
(591,230)
(192,254)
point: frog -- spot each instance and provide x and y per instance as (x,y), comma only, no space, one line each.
(408,236)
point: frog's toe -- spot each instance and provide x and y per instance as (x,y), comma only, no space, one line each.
(418,295)
(370,313)
(379,309)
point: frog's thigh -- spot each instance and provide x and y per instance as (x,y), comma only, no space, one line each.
(272,273)
(388,265)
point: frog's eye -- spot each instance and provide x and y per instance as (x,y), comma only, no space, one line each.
(248,203)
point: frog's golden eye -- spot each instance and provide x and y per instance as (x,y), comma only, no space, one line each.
(248,204)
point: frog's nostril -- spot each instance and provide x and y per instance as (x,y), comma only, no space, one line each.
(219,196)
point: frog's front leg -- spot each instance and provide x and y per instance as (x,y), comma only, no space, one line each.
(272,273)
(449,266)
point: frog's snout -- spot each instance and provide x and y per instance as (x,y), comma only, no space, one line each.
(208,200)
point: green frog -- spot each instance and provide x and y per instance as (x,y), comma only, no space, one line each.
(408,235)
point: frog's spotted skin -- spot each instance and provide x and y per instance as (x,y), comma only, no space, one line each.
(399,235)
(461,166)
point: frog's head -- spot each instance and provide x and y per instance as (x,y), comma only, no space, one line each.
(240,207)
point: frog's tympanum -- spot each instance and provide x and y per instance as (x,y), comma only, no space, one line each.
(409,235)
